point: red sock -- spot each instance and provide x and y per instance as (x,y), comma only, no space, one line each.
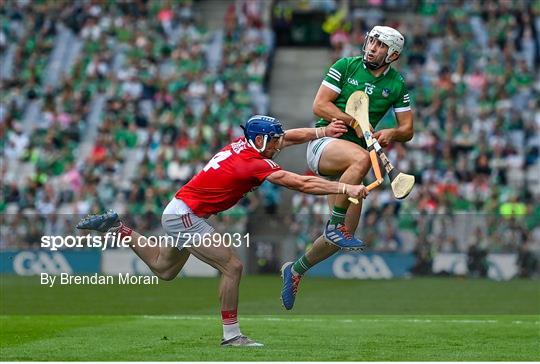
(229,317)
(124,230)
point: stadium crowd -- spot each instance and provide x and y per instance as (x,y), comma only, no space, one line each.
(148,98)
(142,94)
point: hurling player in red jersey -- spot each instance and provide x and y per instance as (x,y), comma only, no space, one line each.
(227,177)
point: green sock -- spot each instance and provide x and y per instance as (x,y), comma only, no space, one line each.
(302,265)
(338,215)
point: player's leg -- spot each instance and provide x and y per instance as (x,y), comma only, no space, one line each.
(351,162)
(334,158)
(192,234)
(225,260)
(353,213)
(229,265)
(337,157)
(164,261)
(321,249)
(292,272)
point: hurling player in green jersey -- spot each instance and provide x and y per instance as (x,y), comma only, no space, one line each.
(346,158)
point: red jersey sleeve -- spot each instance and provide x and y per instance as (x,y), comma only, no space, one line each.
(262,168)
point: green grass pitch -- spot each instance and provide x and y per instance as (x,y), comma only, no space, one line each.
(415,320)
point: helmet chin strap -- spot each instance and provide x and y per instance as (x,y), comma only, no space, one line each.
(263,147)
(261,150)
(375,66)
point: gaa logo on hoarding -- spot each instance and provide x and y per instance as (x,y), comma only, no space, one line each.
(30,263)
(348,266)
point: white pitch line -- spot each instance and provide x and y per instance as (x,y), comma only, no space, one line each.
(348,321)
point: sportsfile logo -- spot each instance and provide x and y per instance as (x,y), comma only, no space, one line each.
(114,240)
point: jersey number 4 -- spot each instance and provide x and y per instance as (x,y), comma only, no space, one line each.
(214,162)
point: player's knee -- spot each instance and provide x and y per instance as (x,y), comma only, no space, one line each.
(234,267)
(167,275)
(360,162)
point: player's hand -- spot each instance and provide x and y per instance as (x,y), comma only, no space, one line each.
(357,191)
(356,126)
(336,128)
(353,124)
(384,137)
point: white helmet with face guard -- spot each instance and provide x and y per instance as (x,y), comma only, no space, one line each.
(389,36)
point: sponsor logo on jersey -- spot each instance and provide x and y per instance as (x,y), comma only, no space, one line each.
(238,146)
(386,92)
(352,81)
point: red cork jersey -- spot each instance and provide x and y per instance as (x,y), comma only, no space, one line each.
(227,177)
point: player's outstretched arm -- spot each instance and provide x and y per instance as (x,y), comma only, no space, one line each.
(315,185)
(303,135)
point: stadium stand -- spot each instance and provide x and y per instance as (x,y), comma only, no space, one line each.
(116,119)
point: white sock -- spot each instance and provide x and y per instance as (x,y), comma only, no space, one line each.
(230,331)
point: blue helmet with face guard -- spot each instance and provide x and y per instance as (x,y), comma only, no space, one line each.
(266,126)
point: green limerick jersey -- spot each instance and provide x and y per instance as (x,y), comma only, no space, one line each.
(388,90)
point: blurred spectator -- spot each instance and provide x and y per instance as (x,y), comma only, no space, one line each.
(477,265)
(526,261)
(424,260)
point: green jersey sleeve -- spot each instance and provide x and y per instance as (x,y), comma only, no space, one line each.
(335,76)
(403,102)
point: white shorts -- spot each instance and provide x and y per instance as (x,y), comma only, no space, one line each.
(181,223)
(314,151)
